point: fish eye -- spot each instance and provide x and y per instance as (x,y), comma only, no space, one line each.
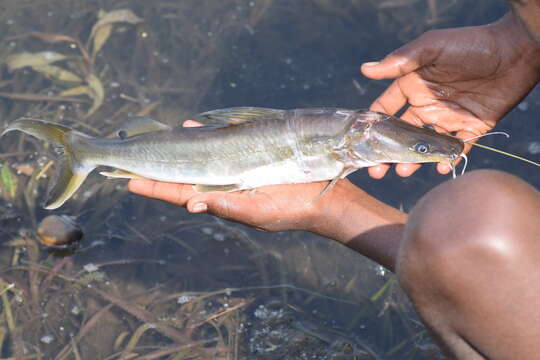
(421,147)
(122,134)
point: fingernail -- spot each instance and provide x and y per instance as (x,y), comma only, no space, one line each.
(200,207)
(371,63)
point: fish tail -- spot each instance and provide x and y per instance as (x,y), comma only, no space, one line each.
(71,170)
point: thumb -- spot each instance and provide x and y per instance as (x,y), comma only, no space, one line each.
(402,61)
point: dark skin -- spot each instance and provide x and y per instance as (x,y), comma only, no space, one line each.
(459,80)
(459,237)
(469,259)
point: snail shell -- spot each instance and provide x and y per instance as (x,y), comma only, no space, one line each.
(59,231)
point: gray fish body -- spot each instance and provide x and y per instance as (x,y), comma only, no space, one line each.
(298,148)
(259,147)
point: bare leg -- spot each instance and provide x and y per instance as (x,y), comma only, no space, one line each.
(470,262)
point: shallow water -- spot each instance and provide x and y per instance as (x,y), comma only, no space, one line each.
(150,279)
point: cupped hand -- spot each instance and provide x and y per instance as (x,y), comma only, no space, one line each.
(269,208)
(461,81)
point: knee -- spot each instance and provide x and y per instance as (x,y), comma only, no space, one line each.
(484,217)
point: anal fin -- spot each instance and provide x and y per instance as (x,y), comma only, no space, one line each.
(208,188)
(120,174)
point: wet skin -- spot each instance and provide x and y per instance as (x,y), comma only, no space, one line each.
(469,262)
(467,253)
(461,80)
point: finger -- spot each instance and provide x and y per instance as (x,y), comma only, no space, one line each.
(390,101)
(171,192)
(404,60)
(392,66)
(406,169)
(444,168)
(192,123)
(450,117)
(141,186)
(378,171)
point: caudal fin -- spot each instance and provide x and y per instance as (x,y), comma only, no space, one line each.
(71,172)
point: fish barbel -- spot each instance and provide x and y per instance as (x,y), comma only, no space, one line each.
(253,147)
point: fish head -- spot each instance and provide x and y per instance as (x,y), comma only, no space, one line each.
(387,139)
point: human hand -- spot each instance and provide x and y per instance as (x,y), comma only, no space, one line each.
(269,208)
(346,213)
(461,81)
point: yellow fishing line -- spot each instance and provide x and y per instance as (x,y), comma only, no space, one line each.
(506,153)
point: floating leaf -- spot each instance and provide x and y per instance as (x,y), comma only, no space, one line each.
(24,59)
(9,180)
(98,92)
(78,90)
(101,37)
(57,73)
(53,38)
(121,15)
(94,90)
(36,97)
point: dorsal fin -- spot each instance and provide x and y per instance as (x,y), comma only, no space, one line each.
(240,115)
(137,125)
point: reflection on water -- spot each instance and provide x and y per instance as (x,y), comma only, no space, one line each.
(151,281)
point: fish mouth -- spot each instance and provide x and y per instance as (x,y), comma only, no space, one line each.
(451,160)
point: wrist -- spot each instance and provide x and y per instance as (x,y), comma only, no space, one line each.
(520,45)
(527,13)
(356,219)
(327,214)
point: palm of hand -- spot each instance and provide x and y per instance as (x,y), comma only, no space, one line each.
(458,80)
(465,89)
(269,208)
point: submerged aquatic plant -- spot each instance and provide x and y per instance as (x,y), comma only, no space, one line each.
(76,73)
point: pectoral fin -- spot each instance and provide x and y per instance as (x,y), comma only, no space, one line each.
(208,188)
(331,184)
(120,174)
(240,115)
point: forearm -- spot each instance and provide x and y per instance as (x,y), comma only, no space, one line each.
(528,13)
(363,223)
